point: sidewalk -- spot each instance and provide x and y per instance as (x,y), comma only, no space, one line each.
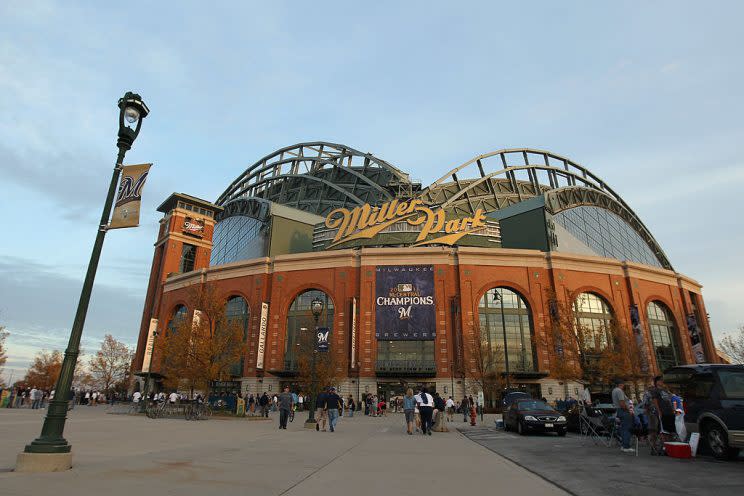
(122,454)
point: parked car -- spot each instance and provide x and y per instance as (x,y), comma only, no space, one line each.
(528,415)
(713,398)
(510,397)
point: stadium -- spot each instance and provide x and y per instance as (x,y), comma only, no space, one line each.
(409,274)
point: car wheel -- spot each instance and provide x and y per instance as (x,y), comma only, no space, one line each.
(520,428)
(718,442)
(562,432)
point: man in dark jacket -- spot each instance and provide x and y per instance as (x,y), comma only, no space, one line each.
(264,403)
(332,407)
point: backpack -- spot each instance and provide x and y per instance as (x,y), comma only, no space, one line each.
(665,402)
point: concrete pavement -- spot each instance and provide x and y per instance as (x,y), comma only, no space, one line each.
(122,454)
(588,469)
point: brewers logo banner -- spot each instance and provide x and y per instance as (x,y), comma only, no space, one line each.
(129,197)
(404,303)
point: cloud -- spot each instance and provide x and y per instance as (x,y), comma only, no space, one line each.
(37,305)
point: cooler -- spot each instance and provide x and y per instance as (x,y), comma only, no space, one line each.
(678,450)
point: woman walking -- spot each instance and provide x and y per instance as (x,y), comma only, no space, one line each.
(426,409)
(409,406)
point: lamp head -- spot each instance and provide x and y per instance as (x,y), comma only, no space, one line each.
(132,110)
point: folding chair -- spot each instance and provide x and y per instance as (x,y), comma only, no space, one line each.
(592,425)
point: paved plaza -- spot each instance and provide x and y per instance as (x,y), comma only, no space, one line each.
(123,454)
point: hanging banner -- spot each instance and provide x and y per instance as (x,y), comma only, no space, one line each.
(635,321)
(262,335)
(353,332)
(322,333)
(129,197)
(694,331)
(404,303)
(149,345)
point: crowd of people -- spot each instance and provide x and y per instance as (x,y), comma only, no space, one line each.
(37,398)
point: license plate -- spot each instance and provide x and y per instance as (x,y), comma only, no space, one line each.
(548,425)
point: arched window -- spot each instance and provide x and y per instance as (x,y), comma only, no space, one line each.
(503,310)
(237,313)
(663,334)
(300,319)
(179,315)
(594,320)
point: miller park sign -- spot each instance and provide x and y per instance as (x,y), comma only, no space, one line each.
(430,226)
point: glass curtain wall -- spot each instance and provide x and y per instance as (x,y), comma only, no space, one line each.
(519,331)
(237,313)
(300,319)
(663,335)
(179,315)
(594,320)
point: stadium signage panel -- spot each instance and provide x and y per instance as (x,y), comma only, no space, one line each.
(367,221)
(404,302)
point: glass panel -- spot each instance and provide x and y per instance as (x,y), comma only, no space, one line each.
(663,334)
(606,233)
(593,319)
(179,314)
(300,319)
(515,322)
(188,257)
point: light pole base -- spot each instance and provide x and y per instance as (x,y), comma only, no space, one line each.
(310,424)
(43,462)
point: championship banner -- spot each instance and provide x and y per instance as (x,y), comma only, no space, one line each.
(129,197)
(262,335)
(404,303)
(149,345)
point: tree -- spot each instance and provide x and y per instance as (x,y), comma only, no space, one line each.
(486,365)
(109,367)
(44,370)
(3,355)
(561,343)
(733,345)
(202,350)
(594,355)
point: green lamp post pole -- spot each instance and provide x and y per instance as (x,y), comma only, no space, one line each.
(316,306)
(132,110)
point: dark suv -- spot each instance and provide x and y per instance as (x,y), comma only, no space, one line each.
(713,398)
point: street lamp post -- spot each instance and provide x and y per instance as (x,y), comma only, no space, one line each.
(500,297)
(132,110)
(316,307)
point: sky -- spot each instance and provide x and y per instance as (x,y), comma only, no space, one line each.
(647,95)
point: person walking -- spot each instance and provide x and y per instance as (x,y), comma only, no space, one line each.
(285,402)
(425,403)
(351,406)
(465,408)
(409,408)
(450,407)
(333,406)
(620,400)
(321,415)
(264,404)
